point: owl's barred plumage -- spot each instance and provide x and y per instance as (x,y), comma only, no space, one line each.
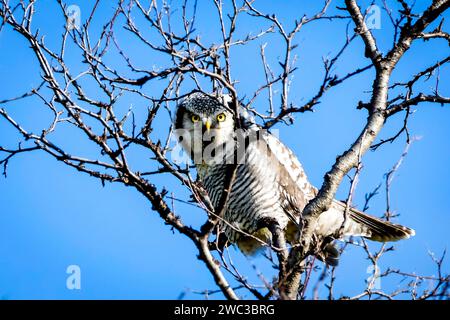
(270,185)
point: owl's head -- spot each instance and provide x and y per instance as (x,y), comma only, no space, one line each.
(205,122)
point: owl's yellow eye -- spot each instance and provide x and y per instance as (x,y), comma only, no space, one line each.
(195,118)
(221,117)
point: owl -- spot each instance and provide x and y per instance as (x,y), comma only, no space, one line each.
(270,186)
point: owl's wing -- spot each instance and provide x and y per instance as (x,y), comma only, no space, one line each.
(296,192)
(295,189)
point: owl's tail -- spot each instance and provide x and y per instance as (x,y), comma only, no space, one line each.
(357,224)
(380,230)
(374,228)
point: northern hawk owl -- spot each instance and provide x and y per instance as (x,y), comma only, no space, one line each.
(270,185)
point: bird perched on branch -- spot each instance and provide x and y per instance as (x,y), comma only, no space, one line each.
(269,188)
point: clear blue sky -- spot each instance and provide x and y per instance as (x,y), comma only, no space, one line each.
(52,216)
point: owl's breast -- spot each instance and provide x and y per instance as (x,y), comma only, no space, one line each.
(254,196)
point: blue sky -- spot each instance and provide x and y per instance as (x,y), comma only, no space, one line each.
(52,216)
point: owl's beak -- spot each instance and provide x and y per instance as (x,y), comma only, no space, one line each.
(208,125)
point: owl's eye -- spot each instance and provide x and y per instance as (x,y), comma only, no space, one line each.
(221,117)
(195,118)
